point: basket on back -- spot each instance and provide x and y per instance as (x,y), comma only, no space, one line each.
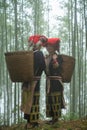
(67,68)
(20,65)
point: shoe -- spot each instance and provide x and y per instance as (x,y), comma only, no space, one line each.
(55,121)
(35,124)
(49,122)
(29,126)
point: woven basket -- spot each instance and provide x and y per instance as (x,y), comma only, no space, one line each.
(67,68)
(20,65)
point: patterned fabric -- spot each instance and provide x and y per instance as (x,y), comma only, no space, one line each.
(29,88)
(54,86)
(53,107)
(27,97)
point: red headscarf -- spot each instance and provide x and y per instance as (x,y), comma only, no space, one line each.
(36,38)
(54,42)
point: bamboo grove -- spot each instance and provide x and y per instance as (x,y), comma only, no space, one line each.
(18,20)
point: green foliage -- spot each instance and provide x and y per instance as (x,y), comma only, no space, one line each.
(70,116)
(0,92)
(3,4)
(1,119)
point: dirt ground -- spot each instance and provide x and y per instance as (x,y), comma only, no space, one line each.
(61,125)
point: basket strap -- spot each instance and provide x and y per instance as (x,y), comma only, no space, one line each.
(54,77)
(36,78)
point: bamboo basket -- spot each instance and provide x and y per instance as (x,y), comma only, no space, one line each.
(20,65)
(67,68)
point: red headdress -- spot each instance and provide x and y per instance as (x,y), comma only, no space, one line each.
(54,42)
(36,38)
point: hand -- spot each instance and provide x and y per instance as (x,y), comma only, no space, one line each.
(56,65)
(55,56)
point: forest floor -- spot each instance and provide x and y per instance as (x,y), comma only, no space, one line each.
(60,125)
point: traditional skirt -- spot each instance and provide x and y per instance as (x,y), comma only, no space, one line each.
(30,103)
(53,105)
(34,114)
(54,97)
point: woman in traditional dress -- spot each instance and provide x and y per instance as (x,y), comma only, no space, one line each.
(55,99)
(30,88)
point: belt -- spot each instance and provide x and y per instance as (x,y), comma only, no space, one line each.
(54,77)
(36,78)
